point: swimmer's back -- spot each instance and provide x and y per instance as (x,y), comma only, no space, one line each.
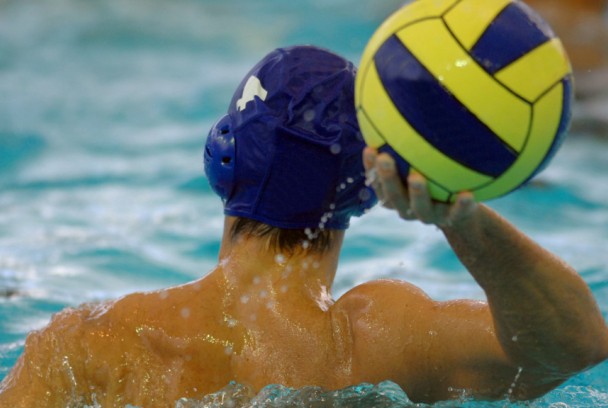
(150,349)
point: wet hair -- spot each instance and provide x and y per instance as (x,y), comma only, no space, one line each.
(287,241)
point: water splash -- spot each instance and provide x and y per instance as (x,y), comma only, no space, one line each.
(514,383)
(386,394)
(280,259)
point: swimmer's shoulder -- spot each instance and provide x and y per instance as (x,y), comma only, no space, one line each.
(85,346)
(386,306)
(386,319)
(377,295)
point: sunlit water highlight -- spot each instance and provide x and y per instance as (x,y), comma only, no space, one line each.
(104,108)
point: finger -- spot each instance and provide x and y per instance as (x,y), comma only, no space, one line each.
(463,207)
(371,176)
(442,214)
(420,198)
(369,158)
(393,190)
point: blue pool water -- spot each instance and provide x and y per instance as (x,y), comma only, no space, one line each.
(104,107)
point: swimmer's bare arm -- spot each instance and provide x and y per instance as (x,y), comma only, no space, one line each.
(545,318)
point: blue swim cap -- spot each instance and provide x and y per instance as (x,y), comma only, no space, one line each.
(288,153)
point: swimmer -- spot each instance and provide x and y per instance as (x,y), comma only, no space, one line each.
(287,163)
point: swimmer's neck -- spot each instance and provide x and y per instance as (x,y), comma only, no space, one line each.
(247,261)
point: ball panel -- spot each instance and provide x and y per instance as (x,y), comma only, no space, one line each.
(563,124)
(507,115)
(436,115)
(388,121)
(370,133)
(510,36)
(546,121)
(533,74)
(470,18)
(438,192)
(408,14)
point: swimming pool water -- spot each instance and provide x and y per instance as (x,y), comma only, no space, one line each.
(104,107)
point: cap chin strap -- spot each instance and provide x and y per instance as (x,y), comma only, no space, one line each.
(220,157)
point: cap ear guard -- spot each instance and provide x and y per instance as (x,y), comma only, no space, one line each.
(220,157)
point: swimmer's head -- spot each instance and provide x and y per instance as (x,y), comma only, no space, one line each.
(288,153)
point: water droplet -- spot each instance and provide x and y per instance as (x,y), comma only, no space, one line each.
(350,180)
(432,333)
(305,244)
(253,317)
(245,299)
(343,186)
(365,194)
(287,272)
(280,259)
(514,338)
(332,206)
(270,305)
(335,148)
(163,294)
(309,115)
(228,350)
(256,280)
(185,312)
(231,322)
(310,234)
(514,383)
(316,265)
(284,289)
(263,294)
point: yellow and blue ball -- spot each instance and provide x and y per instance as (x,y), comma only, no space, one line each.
(473,94)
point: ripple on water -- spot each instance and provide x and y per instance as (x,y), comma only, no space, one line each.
(17,148)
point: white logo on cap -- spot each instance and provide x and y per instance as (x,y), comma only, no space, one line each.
(253,88)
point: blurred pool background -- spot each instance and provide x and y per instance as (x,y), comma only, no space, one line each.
(104,109)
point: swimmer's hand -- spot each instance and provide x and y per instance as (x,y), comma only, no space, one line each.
(413,201)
